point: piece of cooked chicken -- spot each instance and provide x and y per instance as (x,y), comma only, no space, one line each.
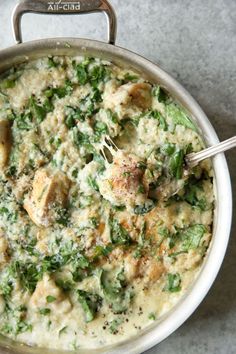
(3,249)
(47,287)
(5,142)
(50,191)
(136,94)
(147,268)
(122,182)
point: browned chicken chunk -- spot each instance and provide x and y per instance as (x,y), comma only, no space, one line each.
(5,142)
(122,182)
(135,94)
(3,249)
(49,192)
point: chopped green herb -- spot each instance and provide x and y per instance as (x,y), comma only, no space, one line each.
(168,149)
(145,208)
(55,141)
(65,284)
(74,114)
(62,216)
(160,94)
(93,74)
(24,121)
(193,194)
(115,292)
(23,326)
(50,298)
(173,283)
(130,77)
(62,330)
(81,268)
(192,236)
(4,210)
(82,74)
(75,173)
(70,121)
(162,122)
(90,304)
(98,74)
(163,231)
(6,286)
(126,174)
(114,325)
(8,83)
(100,129)
(11,171)
(59,92)
(28,273)
(85,201)
(176,163)
(7,328)
(39,112)
(96,95)
(119,207)
(10,77)
(179,116)
(142,165)
(92,183)
(103,250)
(112,116)
(118,234)
(52,63)
(44,311)
(175,254)
(152,316)
(141,189)
(81,139)
(94,222)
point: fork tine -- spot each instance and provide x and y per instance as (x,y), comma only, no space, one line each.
(103,154)
(111,142)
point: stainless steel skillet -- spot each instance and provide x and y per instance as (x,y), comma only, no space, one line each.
(223,208)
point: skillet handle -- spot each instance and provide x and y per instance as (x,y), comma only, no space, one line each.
(63,7)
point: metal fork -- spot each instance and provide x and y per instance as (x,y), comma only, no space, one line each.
(194,158)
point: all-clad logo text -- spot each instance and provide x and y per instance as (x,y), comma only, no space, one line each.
(63,5)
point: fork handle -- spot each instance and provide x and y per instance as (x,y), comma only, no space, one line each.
(194,158)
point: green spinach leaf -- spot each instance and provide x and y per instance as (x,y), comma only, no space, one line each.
(173,283)
(162,121)
(115,292)
(176,163)
(118,234)
(192,236)
(90,304)
(178,116)
(160,94)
